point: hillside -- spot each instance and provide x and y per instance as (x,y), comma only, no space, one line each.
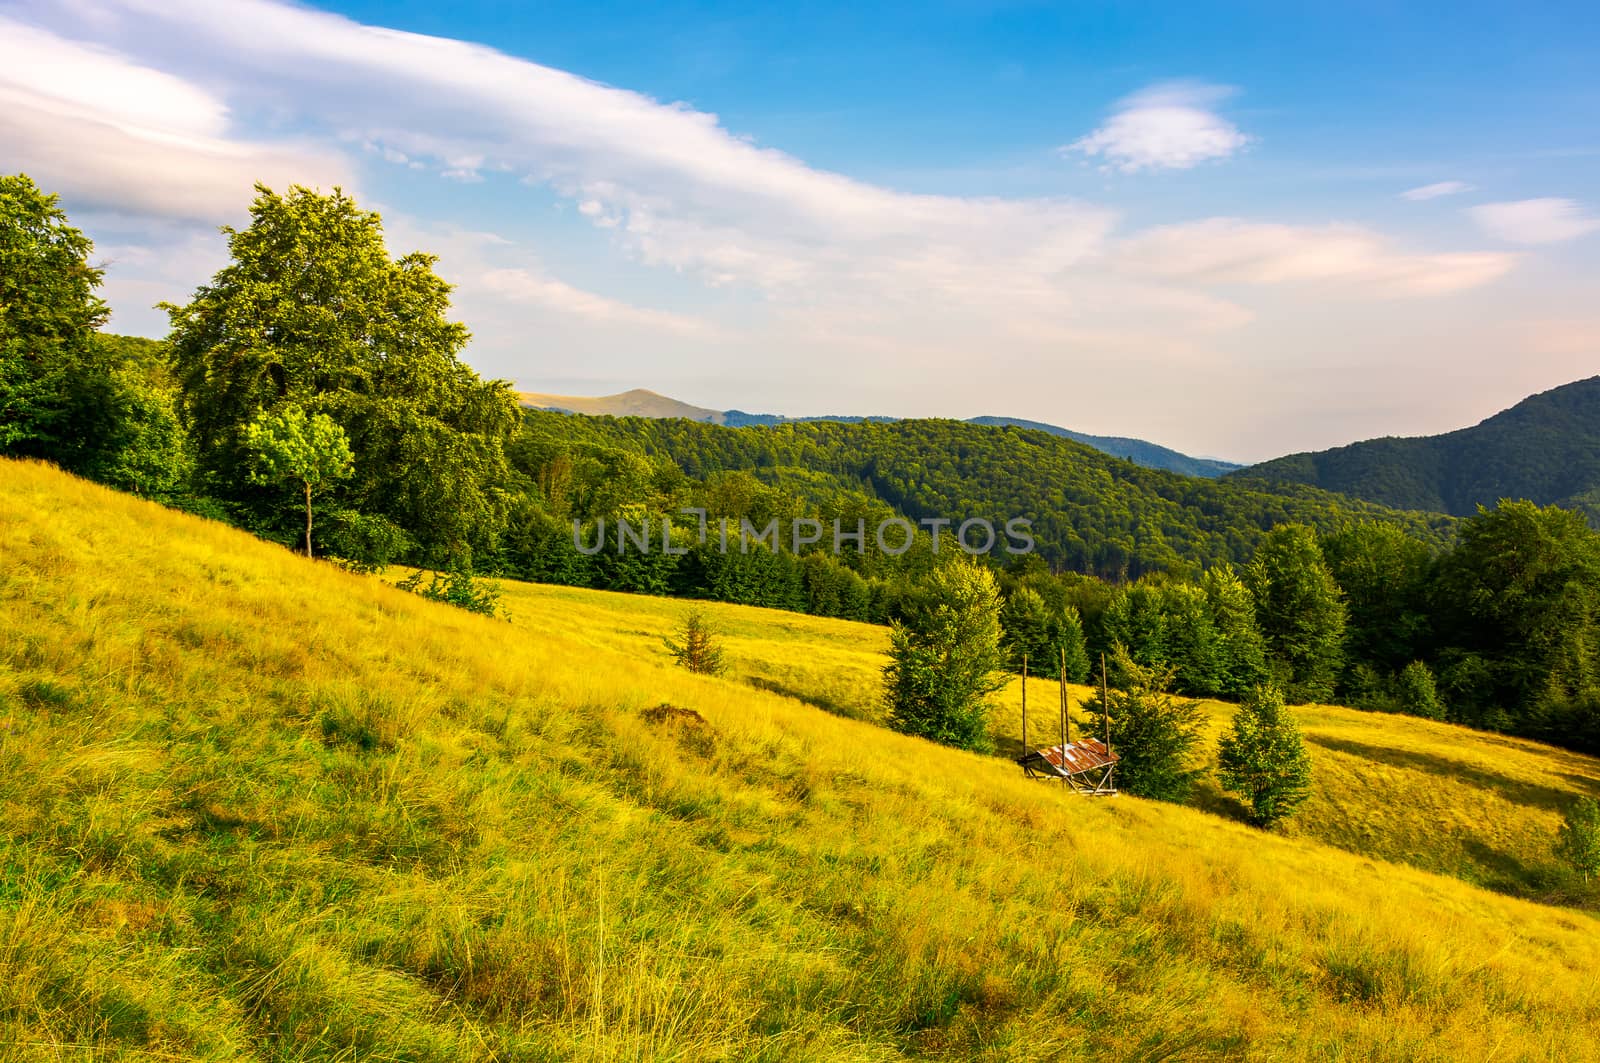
(1090,512)
(1545,449)
(639,402)
(258,808)
(642,403)
(1139,451)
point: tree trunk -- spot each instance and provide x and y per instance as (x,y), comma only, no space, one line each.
(308,520)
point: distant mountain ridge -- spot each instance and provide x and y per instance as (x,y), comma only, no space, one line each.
(640,402)
(1138,451)
(1546,449)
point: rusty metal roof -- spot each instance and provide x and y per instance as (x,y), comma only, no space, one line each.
(1083,755)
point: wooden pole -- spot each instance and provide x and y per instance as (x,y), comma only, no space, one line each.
(1063,674)
(1024,707)
(1105,701)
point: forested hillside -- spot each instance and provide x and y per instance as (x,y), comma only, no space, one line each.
(1545,449)
(1090,512)
(1138,451)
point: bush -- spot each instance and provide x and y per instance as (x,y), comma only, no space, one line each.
(457,587)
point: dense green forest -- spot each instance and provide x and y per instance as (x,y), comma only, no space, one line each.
(1090,512)
(1545,449)
(1139,451)
(313,393)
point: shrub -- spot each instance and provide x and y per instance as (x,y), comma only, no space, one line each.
(696,648)
(459,588)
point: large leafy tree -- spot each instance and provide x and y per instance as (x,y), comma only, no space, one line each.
(313,311)
(945,658)
(1263,760)
(1519,607)
(1301,611)
(56,395)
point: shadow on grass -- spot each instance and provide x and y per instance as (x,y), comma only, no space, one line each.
(1207,796)
(1516,790)
(838,707)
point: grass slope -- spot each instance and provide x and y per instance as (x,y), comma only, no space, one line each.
(256,808)
(1481,807)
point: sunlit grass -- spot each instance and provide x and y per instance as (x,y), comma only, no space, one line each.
(253,807)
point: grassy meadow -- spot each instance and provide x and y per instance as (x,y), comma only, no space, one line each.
(1483,807)
(256,808)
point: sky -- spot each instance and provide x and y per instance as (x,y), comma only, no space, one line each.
(1239,230)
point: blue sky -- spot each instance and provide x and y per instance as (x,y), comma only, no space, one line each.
(1240,230)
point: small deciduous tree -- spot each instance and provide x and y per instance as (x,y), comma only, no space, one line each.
(1579,840)
(945,657)
(696,647)
(1263,760)
(291,446)
(1152,732)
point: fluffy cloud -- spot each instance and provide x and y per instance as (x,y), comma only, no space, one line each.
(1434,191)
(1166,127)
(1535,221)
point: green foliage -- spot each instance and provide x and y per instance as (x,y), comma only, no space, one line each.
(1047,636)
(56,396)
(1090,512)
(291,446)
(1263,760)
(145,450)
(1154,733)
(1385,575)
(1578,842)
(1241,652)
(944,657)
(457,587)
(1167,623)
(1301,611)
(1416,692)
(1520,595)
(311,310)
(696,647)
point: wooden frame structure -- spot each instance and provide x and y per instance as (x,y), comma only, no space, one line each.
(1088,765)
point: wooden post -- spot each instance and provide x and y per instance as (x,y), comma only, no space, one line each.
(1024,707)
(1105,701)
(1064,726)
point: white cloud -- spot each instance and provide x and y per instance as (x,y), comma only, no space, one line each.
(109,131)
(1535,221)
(895,292)
(1165,127)
(1233,251)
(1434,191)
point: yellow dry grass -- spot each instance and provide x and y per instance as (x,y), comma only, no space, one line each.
(257,808)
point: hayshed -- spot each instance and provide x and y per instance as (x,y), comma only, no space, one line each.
(1087,765)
